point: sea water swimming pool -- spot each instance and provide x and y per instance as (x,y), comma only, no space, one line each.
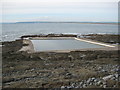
(49,45)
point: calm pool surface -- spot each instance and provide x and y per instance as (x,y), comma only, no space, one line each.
(45,45)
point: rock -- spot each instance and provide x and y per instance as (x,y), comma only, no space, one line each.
(72,65)
(32,69)
(69,87)
(77,87)
(80,83)
(84,85)
(83,56)
(88,81)
(104,86)
(63,87)
(101,85)
(92,79)
(70,57)
(117,70)
(99,82)
(107,77)
(114,86)
(113,78)
(99,68)
(103,70)
(116,75)
(104,83)
(95,80)
(73,84)
(68,74)
(90,84)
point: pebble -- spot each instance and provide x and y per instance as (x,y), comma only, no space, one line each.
(69,87)
(95,80)
(101,85)
(98,83)
(88,81)
(68,74)
(73,84)
(113,78)
(84,85)
(62,86)
(107,77)
(92,79)
(104,86)
(116,75)
(81,83)
(104,83)
(32,69)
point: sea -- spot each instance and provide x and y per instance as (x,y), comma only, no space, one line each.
(13,31)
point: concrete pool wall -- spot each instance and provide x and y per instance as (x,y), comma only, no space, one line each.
(94,42)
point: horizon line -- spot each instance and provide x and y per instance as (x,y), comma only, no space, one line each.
(61,22)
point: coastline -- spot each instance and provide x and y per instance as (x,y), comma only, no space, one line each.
(55,69)
(114,23)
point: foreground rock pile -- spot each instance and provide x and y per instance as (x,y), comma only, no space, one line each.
(108,81)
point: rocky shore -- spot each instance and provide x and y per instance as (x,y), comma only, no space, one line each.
(107,38)
(74,69)
(48,35)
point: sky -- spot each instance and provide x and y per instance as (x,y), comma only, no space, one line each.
(59,10)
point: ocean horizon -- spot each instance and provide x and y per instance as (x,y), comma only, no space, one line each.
(13,31)
(59,22)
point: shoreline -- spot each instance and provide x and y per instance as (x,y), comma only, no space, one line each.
(45,35)
(112,23)
(91,68)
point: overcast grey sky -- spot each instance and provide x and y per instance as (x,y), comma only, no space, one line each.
(59,10)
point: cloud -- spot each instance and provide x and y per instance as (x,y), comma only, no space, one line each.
(19,1)
(15,10)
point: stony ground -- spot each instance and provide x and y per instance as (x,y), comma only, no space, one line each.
(107,38)
(77,69)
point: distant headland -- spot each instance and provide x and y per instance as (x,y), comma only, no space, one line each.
(63,22)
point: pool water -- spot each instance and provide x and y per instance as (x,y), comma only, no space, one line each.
(48,45)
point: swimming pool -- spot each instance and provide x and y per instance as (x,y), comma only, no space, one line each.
(48,45)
